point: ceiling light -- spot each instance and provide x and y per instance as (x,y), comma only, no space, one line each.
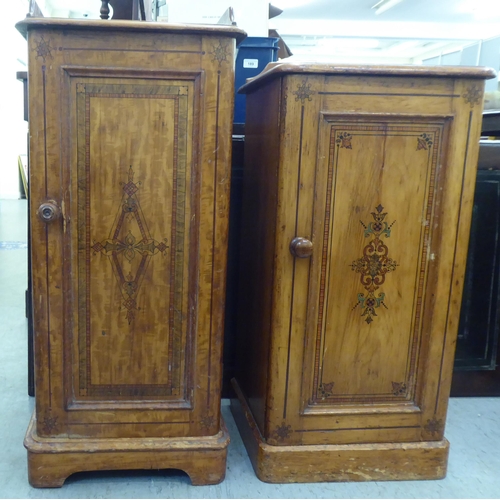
(348,43)
(481,9)
(384,5)
(291,4)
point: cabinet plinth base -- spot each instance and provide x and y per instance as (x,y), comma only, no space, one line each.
(52,460)
(352,462)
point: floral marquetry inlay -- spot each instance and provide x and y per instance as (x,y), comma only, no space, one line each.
(219,52)
(282,432)
(48,422)
(424,141)
(207,421)
(303,92)
(343,140)
(398,388)
(374,264)
(434,426)
(43,48)
(473,95)
(325,390)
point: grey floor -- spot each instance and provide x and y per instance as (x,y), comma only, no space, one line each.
(473,426)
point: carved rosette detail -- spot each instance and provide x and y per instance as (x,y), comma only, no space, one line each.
(282,432)
(434,426)
(130,246)
(325,390)
(219,52)
(303,92)
(424,141)
(374,264)
(343,140)
(398,388)
(473,95)
(43,48)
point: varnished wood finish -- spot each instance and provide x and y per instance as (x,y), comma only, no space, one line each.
(318,463)
(355,345)
(279,69)
(131,142)
(131,26)
(51,461)
(258,234)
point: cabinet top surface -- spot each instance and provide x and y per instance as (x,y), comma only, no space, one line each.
(31,23)
(281,69)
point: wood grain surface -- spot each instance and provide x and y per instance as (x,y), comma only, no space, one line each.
(376,168)
(282,68)
(34,23)
(131,142)
(52,460)
(321,463)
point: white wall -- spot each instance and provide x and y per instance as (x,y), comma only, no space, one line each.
(489,55)
(252,16)
(482,53)
(13,128)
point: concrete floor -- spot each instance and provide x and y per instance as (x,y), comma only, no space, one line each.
(473,426)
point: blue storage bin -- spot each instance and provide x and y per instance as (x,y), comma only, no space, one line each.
(253,55)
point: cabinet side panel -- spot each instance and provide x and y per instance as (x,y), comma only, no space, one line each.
(257,245)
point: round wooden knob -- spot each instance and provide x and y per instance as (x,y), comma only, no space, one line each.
(301,247)
(48,211)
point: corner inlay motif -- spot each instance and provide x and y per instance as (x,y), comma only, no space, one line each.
(207,421)
(343,140)
(282,432)
(303,92)
(219,52)
(49,422)
(43,48)
(325,390)
(473,95)
(398,388)
(434,426)
(424,141)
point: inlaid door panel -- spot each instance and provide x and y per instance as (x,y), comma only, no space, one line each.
(132,246)
(370,221)
(369,273)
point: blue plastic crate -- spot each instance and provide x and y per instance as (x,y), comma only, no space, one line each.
(253,55)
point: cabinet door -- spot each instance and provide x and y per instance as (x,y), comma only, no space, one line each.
(377,195)
(131,146)
(131,247)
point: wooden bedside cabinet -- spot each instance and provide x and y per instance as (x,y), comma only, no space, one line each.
(130,167)
(358,189)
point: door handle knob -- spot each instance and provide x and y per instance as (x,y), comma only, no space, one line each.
(48,211)
(301,247)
